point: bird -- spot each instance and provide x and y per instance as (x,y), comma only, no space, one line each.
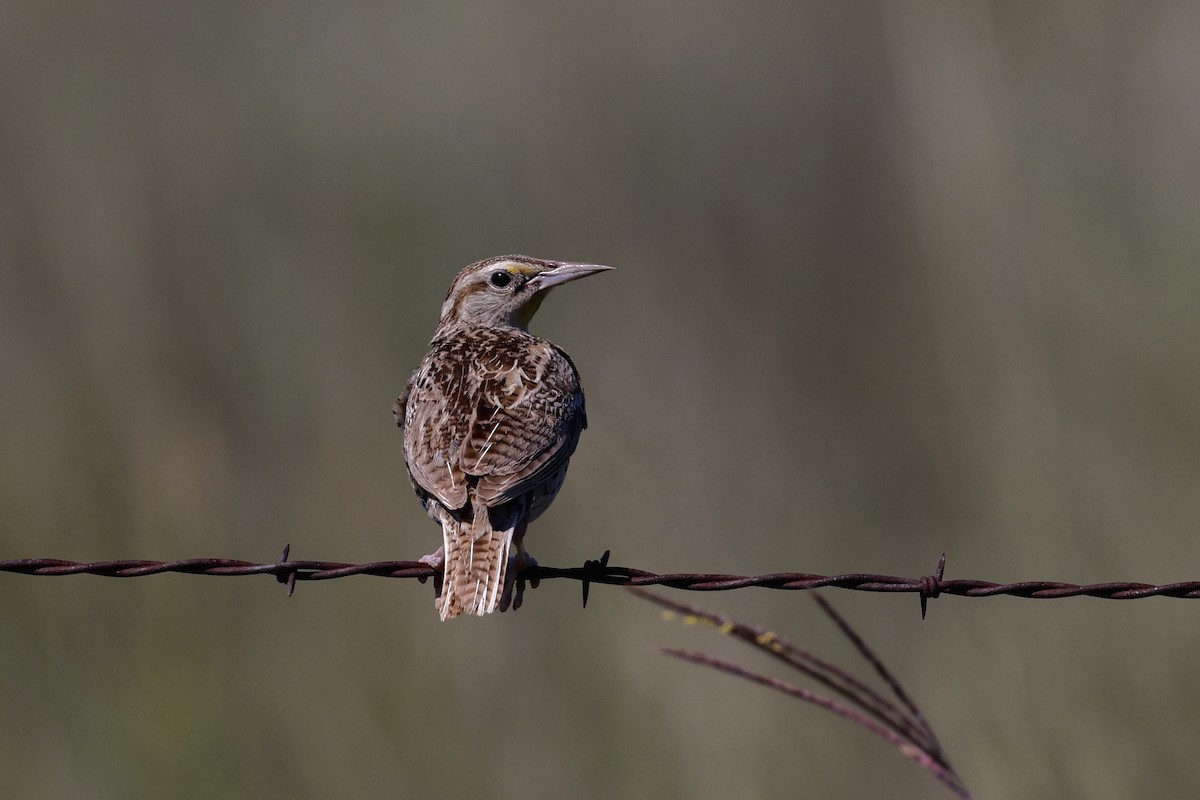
(491,418)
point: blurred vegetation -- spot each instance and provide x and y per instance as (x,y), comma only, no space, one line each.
(894,279)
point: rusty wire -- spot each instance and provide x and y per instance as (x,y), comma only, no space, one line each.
(599,571)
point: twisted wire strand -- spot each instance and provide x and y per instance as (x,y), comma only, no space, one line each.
(599,571)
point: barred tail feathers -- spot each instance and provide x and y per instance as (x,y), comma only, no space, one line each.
(475,566)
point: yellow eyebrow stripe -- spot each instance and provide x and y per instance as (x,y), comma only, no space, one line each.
(527,270)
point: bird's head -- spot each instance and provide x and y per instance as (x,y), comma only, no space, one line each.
(506,291)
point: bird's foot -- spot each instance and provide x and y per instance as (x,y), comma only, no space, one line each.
(437,560)
(514,584)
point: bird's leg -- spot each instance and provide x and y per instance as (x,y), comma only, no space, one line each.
(517,563)
(437,560)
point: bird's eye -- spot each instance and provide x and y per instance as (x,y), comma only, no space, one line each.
(501,278)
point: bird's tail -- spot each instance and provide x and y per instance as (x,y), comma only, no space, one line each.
(475,566)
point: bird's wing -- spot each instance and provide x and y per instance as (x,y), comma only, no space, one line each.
(434,429)
(526,422)
(399,408)
(502,414)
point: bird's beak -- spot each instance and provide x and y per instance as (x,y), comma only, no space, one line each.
(563,272)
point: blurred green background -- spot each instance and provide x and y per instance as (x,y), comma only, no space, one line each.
(893,279)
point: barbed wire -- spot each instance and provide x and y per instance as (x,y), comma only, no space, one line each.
(600,571)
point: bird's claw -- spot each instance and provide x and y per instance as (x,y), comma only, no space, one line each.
(436,560)
(514,584)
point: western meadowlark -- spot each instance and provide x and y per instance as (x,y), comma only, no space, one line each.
(490,419)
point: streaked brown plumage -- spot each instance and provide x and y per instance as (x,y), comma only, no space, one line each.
(491,418)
